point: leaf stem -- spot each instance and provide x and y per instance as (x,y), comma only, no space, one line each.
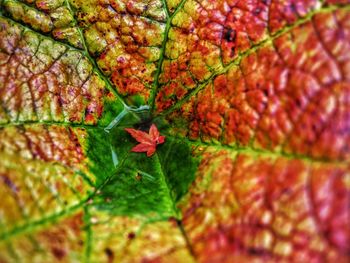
(155,85)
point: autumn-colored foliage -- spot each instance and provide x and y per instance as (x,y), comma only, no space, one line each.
(147,141)
(241,112)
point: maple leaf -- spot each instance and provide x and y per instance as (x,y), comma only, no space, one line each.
(148,141)
(254,100)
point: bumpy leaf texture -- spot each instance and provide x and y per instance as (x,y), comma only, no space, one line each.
(252,96)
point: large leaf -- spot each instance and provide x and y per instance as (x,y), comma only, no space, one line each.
(252,96)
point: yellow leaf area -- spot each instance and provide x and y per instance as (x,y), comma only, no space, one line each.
(132,240)
(40,176)
(257,90)
(136,240)
(42,80)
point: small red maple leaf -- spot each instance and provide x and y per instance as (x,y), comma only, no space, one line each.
(147,141)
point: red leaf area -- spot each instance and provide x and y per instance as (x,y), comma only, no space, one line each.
(263,210)
(147,141)
(292,95)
